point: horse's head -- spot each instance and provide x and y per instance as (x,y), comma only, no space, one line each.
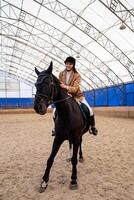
(44,89)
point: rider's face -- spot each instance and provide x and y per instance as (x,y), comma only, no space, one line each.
(69,66)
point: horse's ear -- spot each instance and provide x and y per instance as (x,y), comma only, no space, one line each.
(37,71)
(50,68)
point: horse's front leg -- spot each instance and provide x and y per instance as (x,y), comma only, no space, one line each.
(45,178)
(74,161)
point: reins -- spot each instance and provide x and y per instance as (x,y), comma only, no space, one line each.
(59,101)
(51,101)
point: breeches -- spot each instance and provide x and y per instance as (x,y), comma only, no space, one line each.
(89,107)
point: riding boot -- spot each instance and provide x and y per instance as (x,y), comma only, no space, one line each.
(92,129)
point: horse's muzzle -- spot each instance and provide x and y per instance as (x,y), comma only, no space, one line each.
(40,108)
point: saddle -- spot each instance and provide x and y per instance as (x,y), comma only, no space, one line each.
(85,113)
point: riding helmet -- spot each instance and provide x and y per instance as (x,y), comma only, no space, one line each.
(71,60)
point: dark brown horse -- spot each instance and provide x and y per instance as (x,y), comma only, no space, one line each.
(69,123)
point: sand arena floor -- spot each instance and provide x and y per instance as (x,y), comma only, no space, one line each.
(106,174)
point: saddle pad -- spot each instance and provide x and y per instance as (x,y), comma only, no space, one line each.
(85,112)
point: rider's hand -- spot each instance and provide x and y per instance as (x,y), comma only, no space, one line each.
(63,85)
(69,94)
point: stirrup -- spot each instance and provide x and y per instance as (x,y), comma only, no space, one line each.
(53,132)
(93,131)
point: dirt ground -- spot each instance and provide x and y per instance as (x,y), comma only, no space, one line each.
(106,174)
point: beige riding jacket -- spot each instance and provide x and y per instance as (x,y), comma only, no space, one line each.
(73,84)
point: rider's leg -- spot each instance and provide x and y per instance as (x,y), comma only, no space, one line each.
(92,129)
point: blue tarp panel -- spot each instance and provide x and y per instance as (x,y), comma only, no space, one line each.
(130,94)
(123,95)
(129,87)
(26,102)
(90,97)
(130,99)
(116,96)
(101,97)
(16,102)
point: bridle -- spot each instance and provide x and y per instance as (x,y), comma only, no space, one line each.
(45,98)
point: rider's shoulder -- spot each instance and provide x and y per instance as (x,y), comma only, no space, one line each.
(61,73)
(77,74)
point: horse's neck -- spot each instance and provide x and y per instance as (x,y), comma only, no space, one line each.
(64,102)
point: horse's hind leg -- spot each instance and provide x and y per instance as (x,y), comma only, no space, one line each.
(55,148)
(74,161)
(70,151)
(80,151)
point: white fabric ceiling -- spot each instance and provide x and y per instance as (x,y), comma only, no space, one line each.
(34,32)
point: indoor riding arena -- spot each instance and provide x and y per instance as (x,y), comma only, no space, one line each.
(99,36)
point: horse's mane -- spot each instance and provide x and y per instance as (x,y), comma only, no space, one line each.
(56,79)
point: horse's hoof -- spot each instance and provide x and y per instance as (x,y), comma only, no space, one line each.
(73,186)
(68,159)
(43,187)
(81,160)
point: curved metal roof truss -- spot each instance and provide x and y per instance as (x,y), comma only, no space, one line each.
(28,40)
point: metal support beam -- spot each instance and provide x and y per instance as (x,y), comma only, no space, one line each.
(87,28)
(121,12)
